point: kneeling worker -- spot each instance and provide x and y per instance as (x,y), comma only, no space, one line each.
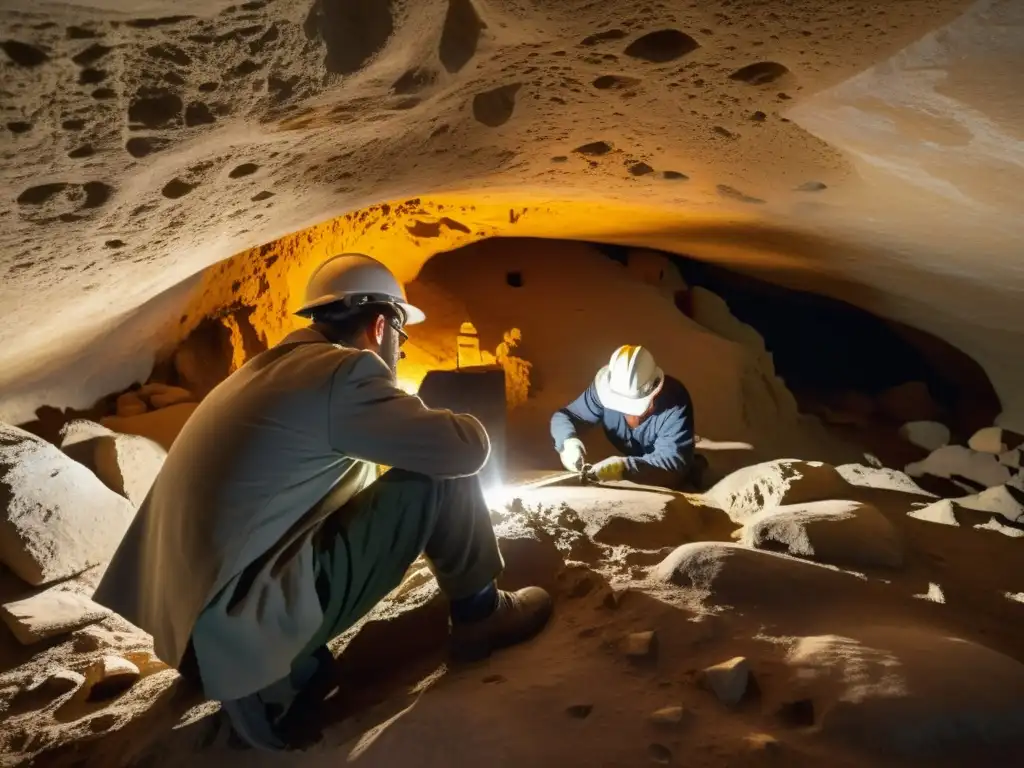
(266,535)
(647,416)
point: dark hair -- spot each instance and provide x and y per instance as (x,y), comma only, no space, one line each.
(346,324)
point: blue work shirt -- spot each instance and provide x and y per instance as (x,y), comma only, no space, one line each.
(659,451)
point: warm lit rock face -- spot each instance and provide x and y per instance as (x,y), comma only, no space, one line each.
(140,147)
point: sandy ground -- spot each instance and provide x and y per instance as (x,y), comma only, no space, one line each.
(854,658)
(141,148)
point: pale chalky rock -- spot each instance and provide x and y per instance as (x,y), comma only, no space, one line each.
(80,431)
(942,512)
(1000,500)
(130,404)
(640,644)
(50,613)
(109,677)
(127,464)
(668,716)
(1013,460)
(837,532)
(909,692)
(994,440)
(58,519)
(953,461)
(880,478)
(728,680)
(161,426)
(930,435)
(753,489)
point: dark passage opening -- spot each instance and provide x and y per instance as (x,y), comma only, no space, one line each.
(852,368)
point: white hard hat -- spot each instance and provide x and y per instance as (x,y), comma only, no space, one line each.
(355,279)
(630,381)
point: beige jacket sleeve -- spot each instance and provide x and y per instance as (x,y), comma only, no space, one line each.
(373,420)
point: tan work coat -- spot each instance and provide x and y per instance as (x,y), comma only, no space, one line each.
(286,439)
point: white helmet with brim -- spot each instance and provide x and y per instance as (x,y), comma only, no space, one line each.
(352,280)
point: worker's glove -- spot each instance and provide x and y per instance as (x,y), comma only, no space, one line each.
(573,454)
(612,468)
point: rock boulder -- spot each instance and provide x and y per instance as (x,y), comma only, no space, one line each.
(57,519)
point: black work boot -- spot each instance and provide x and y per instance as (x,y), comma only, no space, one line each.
(518,616)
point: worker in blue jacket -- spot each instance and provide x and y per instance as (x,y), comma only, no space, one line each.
(646,415)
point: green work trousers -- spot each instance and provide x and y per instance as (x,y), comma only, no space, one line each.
(364,549)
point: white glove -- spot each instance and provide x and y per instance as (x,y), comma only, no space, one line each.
(573,454)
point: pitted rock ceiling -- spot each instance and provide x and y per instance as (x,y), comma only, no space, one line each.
(143,142)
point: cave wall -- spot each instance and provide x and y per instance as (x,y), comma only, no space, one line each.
(572,122)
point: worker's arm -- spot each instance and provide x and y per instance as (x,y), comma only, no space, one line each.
(373,420)
(672,453)
(585,410)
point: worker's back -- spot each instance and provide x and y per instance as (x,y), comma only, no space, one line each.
(247,469)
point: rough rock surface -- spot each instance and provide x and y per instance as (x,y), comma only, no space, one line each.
(956,461)
(930,435)
(141,147)
(909,691)
(765,486)
(127,464)
(837,532)
(52,612)
(839,668)
(58,518)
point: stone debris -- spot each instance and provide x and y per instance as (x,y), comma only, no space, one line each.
(930,435)
(109,677)
(127,464)
(50,613)
(640,645)
(942,512)
(994,440)
(954,461)
(753,489)
(668,716)
(728,680)
(58,519)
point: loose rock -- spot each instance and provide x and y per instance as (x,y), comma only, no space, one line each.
(930,435)
(953,461)
(127,464)
(994,440)
(668,716)
(837,532)
(50,613)
(752,489)
(109,677)
(640,645)
(58,518)
(728,680)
